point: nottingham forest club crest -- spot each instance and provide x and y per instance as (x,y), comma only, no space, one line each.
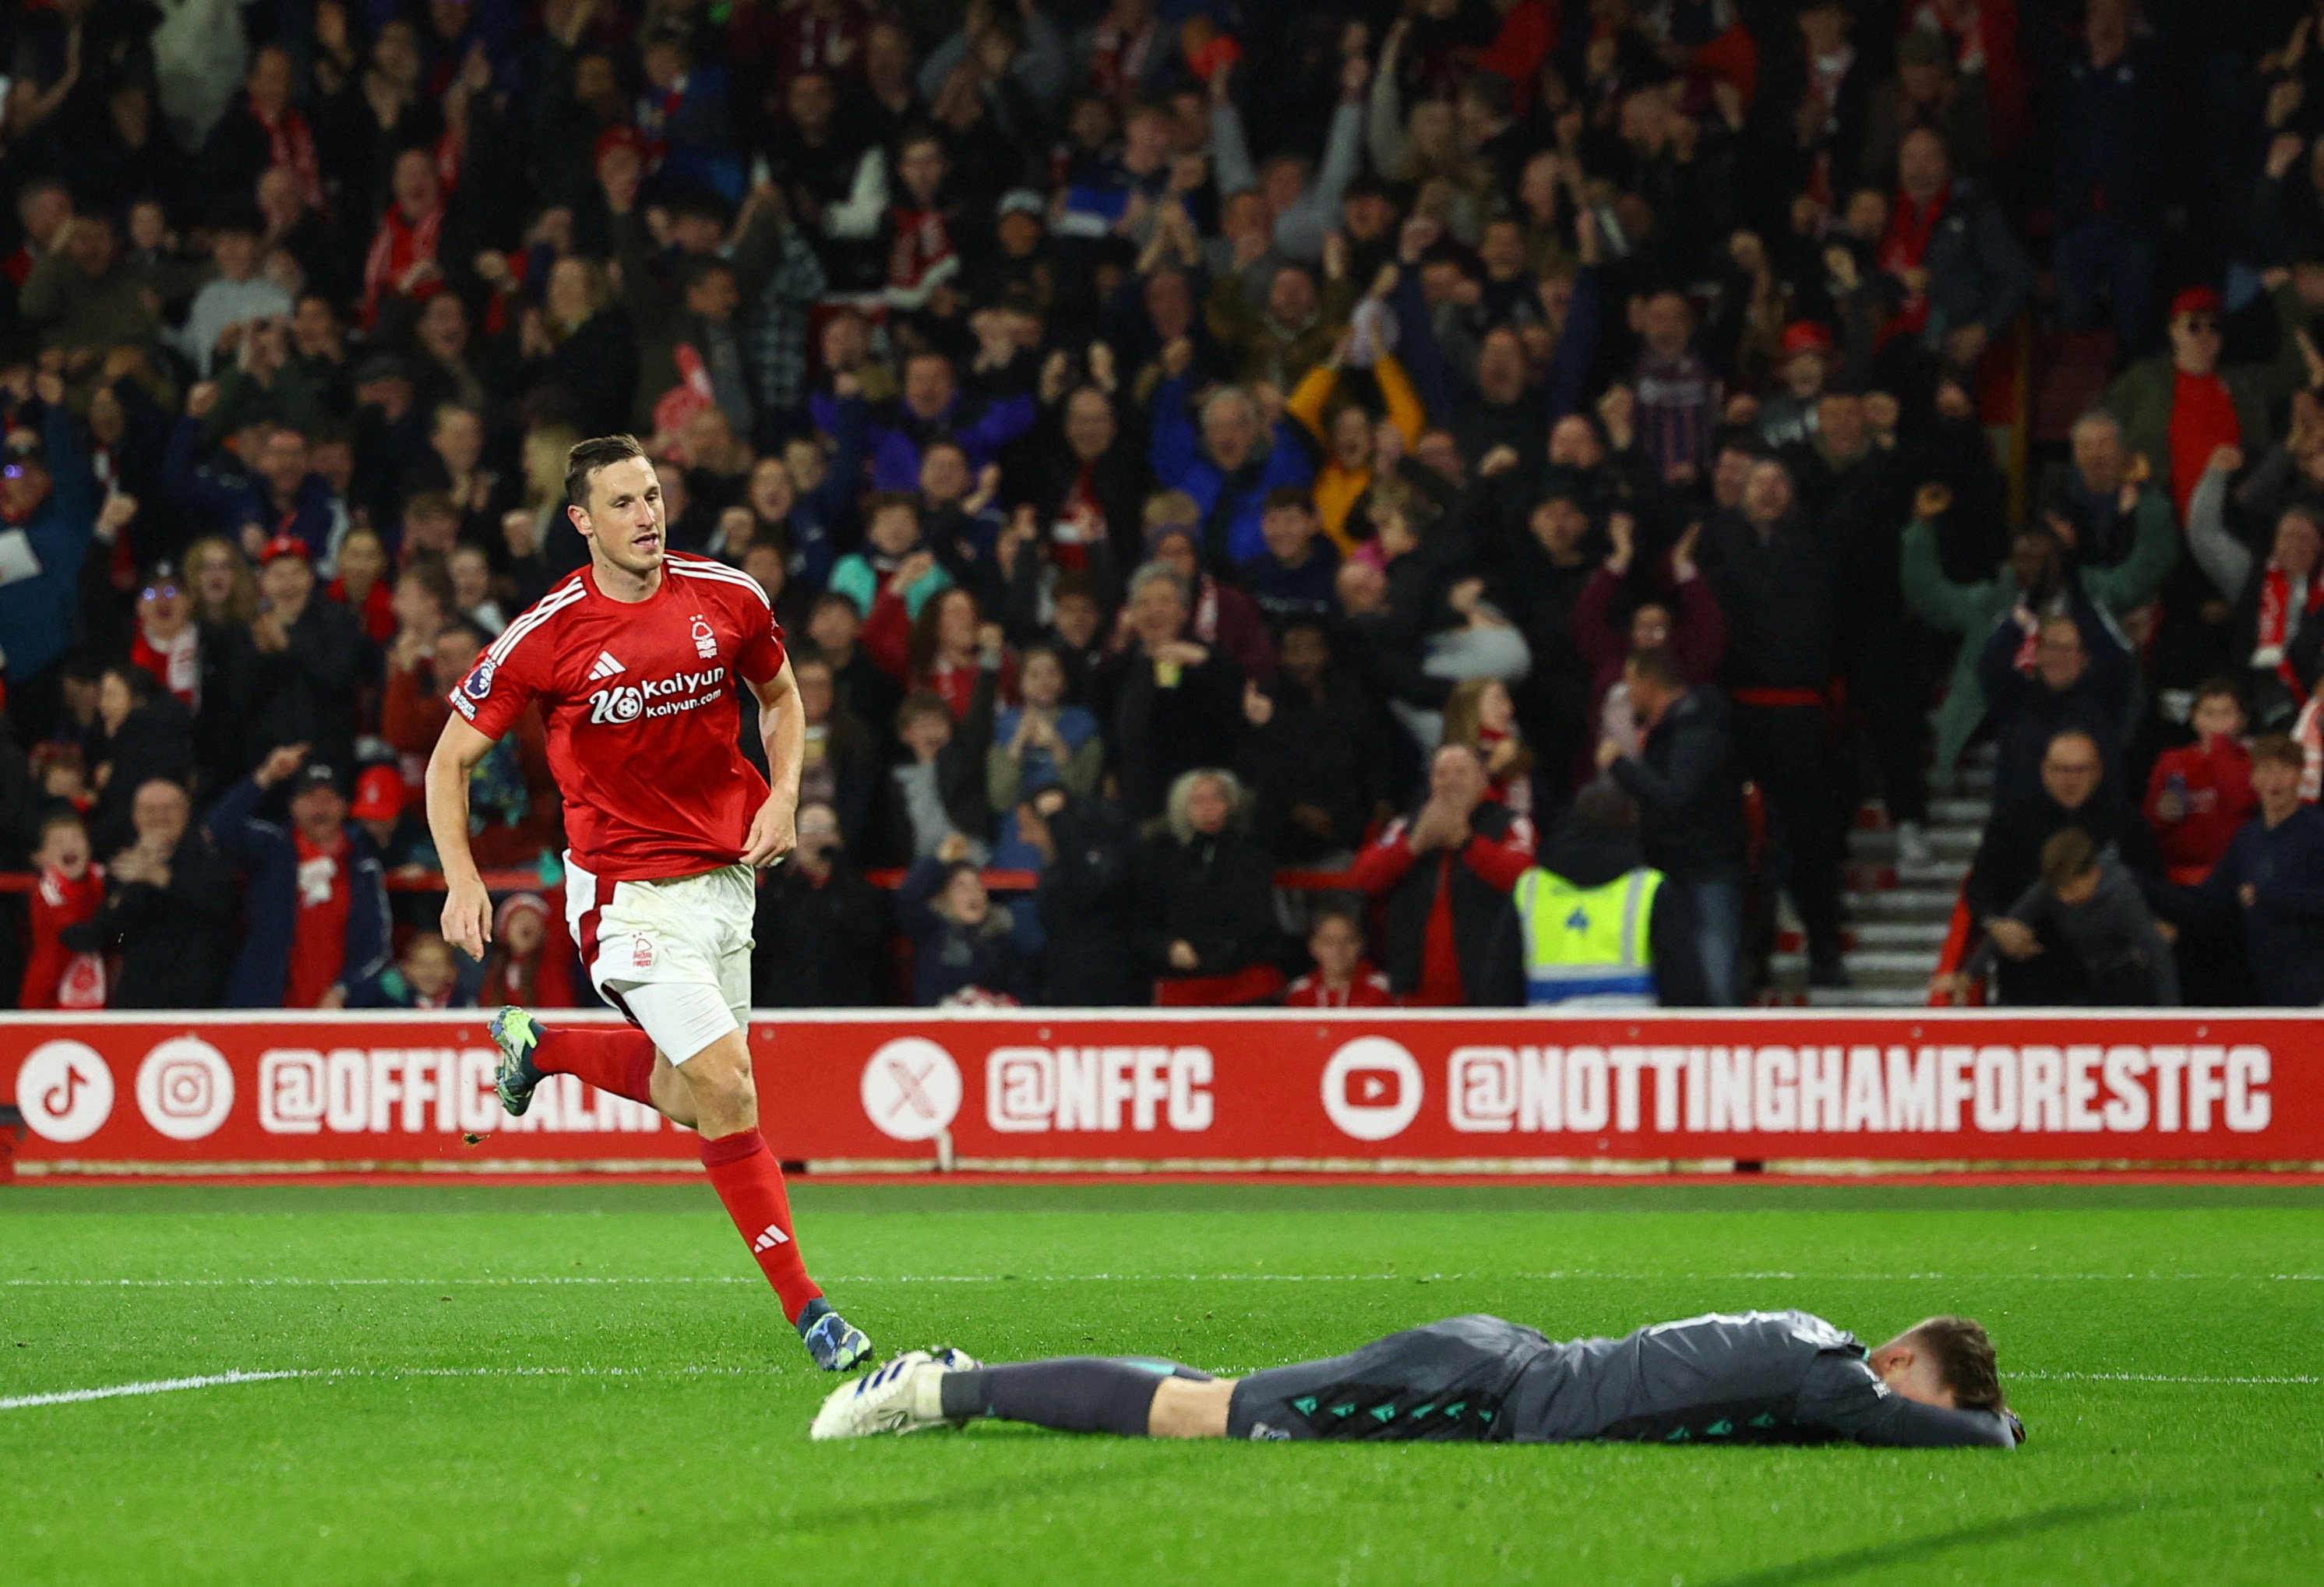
(705,643)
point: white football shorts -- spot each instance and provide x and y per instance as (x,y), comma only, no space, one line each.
(673,956)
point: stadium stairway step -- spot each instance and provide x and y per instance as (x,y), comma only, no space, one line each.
(1899,915)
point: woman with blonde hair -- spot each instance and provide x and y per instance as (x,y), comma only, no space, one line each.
(579,341)
(1481,716)
(224,592)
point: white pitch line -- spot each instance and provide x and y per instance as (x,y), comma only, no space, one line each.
(2157,1378)
(161,1386)
(222,1380)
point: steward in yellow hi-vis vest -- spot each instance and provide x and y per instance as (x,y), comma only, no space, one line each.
(1585,912)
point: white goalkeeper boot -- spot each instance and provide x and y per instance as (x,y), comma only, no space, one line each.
(904,1395)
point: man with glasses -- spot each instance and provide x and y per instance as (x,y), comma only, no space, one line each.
(2178,407)
(168,642)
(2044,676)
(2074,790)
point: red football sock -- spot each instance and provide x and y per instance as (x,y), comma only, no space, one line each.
(747,1179)
(618,1061)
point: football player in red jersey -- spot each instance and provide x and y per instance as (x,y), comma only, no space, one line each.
(633,661)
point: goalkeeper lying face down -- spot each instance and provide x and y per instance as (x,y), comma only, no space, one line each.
(1726,1377)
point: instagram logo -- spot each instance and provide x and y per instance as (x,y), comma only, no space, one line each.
(184,1088)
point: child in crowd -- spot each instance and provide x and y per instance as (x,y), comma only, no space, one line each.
(1342,977)
(426,977)
(524,966)
(962,947)
(2200,795)
(2088,907)
(68,892)
(1481,716)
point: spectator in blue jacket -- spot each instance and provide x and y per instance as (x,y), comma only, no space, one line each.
(314,926)
(275,493)
(1973,274)
(931,406)
(47,513)
(1229,465)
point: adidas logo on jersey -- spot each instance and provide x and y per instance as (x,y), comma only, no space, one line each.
(768,1238)
(605,667)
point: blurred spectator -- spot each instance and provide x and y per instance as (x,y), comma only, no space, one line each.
(1169,705)
(2272,599)
(1583,931)
(2037,582)
(425,977)
(147,734)
(962,950)
(843,766)
(291,670)
(1041,741)
(1206,902)
(1962,274)
(169,908)
(2075,792)
(1316,754)
(1445,874)
(2177,408)
(47,501)
(1343,978)
(1086,903)
(2080,681)
(68,891)
(399,830)
(821,928)
(2085,917)
(316,932)
(938,791)
(1684,778)
(2272,876)
(2198,797)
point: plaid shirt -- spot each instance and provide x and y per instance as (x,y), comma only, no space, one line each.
(776,347)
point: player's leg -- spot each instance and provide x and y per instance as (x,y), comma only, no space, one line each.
(1132,1397)
(719,1092)
(620,1060)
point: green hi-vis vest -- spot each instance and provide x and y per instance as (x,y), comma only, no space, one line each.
(1587,941)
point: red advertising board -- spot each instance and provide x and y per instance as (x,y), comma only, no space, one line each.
(1226,1091)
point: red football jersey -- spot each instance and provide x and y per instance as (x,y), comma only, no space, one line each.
(643,723)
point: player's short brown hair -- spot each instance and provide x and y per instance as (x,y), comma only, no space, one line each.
(2280,749)
(2068,857)
(587,458)
(1964,1358)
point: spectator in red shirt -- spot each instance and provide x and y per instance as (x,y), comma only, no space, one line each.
(1445,873)
(2200,795)
(1342,977)
(168,644)
(315,907)
(68,893)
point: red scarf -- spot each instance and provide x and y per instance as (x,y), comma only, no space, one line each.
(2274,634)
(1903,247)
(399,245)
(291,146)
(923,244)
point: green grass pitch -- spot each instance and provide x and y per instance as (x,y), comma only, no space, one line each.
(583,1385)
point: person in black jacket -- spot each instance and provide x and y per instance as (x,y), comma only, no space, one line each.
(149,733)
(2082,681)
(1087,899)
(293,670)
(1773,573)
(2074,792)
(820,928)
(2273,875)
(1691,827)
(169,908)
(962,949)
(1167,705)
(1206,900)
(1314,753)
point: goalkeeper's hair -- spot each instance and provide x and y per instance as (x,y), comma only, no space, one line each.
(1964,1358)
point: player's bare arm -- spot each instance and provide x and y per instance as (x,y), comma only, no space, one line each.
(782,729)
(467,920)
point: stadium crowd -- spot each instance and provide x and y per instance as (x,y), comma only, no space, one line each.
(1456,444)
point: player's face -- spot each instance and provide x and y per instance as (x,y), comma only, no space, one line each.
(625,517)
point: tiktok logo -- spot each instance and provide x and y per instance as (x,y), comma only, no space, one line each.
(64,1090)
